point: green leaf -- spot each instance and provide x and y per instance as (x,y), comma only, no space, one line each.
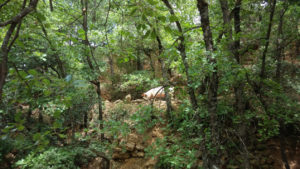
(46,82)
(162,18)
(20,127)
(168,29)
(147,34)
(149,13)
(40,16)
(47,92)
(139,27)
(126,59)
(56,125)
(153,35)
(81,31)
(56,114)
(33,72)
(62,136)
(133,11)
(152,2)
(173,18)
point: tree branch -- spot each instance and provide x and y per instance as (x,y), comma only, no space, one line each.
(4,3)
(23,13)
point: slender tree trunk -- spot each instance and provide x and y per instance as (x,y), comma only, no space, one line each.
(166,84)
(100,118)
(60,63)
(279,46)
(181,49)
(41,120)
(110,58)
(51,5)
(282,145)
(94,17)
(148,54)
(212,160)
(139,65)
(84,4)
(8,42)
(85,119)
(278,54)
(263,58)
(96,82)
(4,57)
(234,47)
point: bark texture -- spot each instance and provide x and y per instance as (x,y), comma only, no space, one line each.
(181,49)
(96,82)
(212,159)
(9,39)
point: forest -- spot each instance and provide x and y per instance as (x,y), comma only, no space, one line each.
(150,84)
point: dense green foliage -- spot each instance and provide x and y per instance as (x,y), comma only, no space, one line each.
(236,81)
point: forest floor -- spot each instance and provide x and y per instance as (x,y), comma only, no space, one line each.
(130,154)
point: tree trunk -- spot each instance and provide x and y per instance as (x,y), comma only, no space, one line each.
(148,54)
(51,5)
(60,64)
(181,49)
(100,118)
(279,46)
(96,82)
(84,4)
(165,78)
(278,54)
(4,57)
(263,58)
(234,47)
(110,58)
(6,44)
(139,65)
(212,160)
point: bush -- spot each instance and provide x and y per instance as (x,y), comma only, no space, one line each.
(5,147)
(58,158)
(138,82)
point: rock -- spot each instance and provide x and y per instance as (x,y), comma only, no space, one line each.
(10,156)
(151,162)
(106,102)
(97,163)
(117,149)
(128,98)
(141,154)
(133,138)
(138,154)
(138,101)
(157,133)
(120,155)
(133,163)
(140,147)
(118,101)
(130,146)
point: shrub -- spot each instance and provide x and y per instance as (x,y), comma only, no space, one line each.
(57,158)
